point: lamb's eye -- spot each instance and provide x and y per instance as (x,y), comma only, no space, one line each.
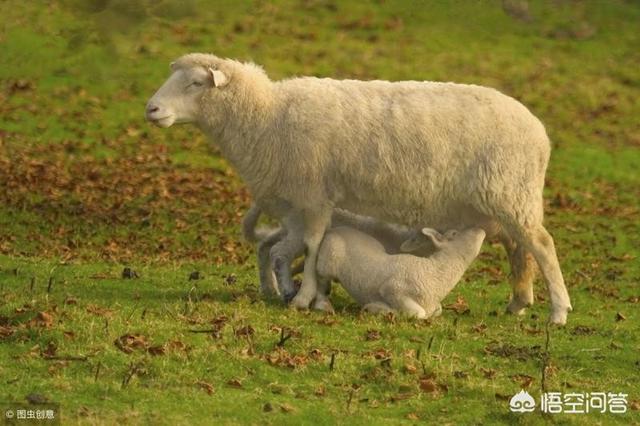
(195,84)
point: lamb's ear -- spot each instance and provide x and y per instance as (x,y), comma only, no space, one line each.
(218,78)
(413,243)
(172,66)
(436,238)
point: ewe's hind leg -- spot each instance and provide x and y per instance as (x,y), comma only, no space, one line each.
(521,277)
(537,240)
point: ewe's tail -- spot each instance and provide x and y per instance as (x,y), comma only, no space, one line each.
(249,225)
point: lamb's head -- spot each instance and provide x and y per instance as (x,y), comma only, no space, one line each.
(466,243)
(179,99)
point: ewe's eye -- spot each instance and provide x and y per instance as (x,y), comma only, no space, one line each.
(195,84)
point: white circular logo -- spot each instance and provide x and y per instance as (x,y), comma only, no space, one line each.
(8,414)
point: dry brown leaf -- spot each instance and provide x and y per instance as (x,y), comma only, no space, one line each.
(372,335)
(42,319)
(460,306)
(6,331)
(129,342)
(235,383)
(207,387)
(428,386)
(286,408)
(98,310)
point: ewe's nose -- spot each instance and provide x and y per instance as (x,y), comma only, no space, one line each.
(153,111)
(151,108)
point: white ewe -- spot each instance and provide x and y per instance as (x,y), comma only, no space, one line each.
(450,155)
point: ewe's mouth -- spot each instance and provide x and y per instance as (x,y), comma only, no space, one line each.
(163,121)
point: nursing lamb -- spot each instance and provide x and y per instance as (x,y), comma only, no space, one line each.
(404,283)
(276,252)
(450,155)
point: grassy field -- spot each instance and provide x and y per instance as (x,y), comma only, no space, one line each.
(87,189)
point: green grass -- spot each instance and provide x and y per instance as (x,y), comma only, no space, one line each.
(87,188)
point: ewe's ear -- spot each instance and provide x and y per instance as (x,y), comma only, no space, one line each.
(172,66)
(218,78)
(436,238)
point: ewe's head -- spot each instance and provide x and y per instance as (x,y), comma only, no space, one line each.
(467,243)
(179,99)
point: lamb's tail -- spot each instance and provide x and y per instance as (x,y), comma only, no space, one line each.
(250,231)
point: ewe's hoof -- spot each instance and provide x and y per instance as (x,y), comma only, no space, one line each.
(323,305)
(300,302)
(559,315)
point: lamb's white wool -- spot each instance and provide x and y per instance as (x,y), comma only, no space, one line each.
(402,282)
(450,155)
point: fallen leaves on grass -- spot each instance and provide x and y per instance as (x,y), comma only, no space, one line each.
(582,330)
(63,182)
(130,342)
(373,335)
(42,319)
(245,331)
(460,306)
(488,373)
(207,387)
(98,310)
(6,331)
(282,358)
(235,383)
(524,380)
(507,350)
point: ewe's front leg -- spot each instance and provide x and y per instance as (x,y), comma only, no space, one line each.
(315,225)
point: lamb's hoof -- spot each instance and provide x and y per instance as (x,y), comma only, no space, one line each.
(323,305)
(559,315)
(300,302)
(436,313)
(517,307)
(269,292)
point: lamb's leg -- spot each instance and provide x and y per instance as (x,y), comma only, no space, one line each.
(377,308)
(436,312)
(409,307)
(282,255)
(315,225)
(521,277)
(537,240)
(268,284)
